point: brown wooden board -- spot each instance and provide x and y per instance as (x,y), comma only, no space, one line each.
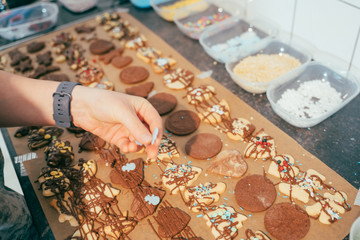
(284,144)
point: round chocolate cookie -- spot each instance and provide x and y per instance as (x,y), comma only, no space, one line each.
(35,47)
(203,146)
(141,90)
(121,61)
(287,221)
(255,193)
(100,46)
(134,74)
(182,122)
(163,102)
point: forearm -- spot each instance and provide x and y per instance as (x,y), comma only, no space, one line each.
(25,101)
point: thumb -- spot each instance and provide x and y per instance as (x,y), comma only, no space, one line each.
(137,129)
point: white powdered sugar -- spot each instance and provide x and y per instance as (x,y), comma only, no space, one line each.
(312,99)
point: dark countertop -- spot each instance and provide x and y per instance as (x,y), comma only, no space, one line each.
(336,141)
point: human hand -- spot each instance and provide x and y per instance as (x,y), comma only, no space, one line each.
(117,118)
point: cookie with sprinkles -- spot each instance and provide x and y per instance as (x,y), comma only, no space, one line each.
(161,65)
(203,196)
(197,95)
(178,79)
(167,150)
(282,166)
(136,43)
(53,181)
(240,129)
(262,146)
(177,177)
(224,222)
(148,54)
(217,113)
(89,74)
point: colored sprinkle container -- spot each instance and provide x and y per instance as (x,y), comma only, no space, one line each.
(168,8)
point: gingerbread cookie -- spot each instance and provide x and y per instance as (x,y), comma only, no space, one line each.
(240,129)
(202,196)
(44,59)
(163,102)
(91,142)
(121,61)
(128,174)
(134,74)
(107,57)
(43,136)
(101,46)
(182,122)
(287,221)
(35,46)
(255,193)
(228,163)
(146,201)
(59,153)
(178,79)
(161,65)
(148,54)
(203,146)
(58,77)
(141,90)
(89,74)
(197,95)
(216,113)
(261,146)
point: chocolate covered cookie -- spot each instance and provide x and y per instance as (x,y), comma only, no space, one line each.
(134,74)
(255,193)
(287,221)
(24,66)
(24,131)
(182,122)
(121,61)
(171,221)
(91,142)
(84,29)
(16,57)
(44,59)
(128,174)
(203,146)
(163,102)
(59,153)
(42,70)
(141,90)
(146,200)
(101,46)
(43,136)
(35,47)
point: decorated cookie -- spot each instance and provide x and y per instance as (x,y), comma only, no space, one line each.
(58,77)
(100,46)
(78,131)
(203,196)
(203,146)
(43,136)
(121,61)
(287,221)
(182,122)
(63,206)
(88,169)
(141,90)
(24,66)
(45,58)
(282,166)
(35,46)
(146,201)
(257,235)
(177,177)
(84,29)
(89,74)
(178,79)
(167,150)
(24,131)
(91,142)
(62,41)
(16,57)
(255,193)
(262,146)
(42,70)
(59,153)
(148,54)
(53,181)
(171,221)
(3,62)
(163,102)
(134,74)
(136,43)
(128,174)
(107,57)
(224,222)
(228,163)
(240,129)
(197,95)
(216,113)
(89,37)
(103,84)
(161,65)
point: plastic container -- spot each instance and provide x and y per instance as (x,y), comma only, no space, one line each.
(141,3)
(269,46)
(195,19)
(355,230)
(24,21)
(168,8)
(230,38)
(334,72)
(79,6)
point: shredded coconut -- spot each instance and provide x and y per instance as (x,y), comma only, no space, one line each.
(312,99)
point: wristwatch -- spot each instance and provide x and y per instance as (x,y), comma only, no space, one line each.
(61,104)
